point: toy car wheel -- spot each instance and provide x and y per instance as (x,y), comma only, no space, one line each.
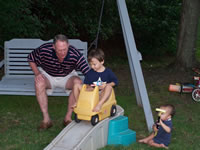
(94,120)
(196,95)
(113,110)
(76,119)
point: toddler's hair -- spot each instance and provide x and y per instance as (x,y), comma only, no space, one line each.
(96,53)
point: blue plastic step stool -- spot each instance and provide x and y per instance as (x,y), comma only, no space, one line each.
(119,133)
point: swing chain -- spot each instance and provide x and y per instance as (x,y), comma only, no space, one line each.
(95,42)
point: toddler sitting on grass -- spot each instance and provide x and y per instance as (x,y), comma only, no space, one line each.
(162,137)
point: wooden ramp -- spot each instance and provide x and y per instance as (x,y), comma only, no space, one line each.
(83,136)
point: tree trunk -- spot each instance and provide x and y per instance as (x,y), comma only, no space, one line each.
(188,33)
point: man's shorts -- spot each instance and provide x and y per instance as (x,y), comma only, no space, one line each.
(57,82)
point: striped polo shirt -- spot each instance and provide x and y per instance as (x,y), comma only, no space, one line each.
(45,57)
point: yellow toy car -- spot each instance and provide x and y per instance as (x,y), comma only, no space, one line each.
(88,100)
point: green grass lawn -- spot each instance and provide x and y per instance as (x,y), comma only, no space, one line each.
(20,115)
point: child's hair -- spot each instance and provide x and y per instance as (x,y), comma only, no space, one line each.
(96,53)
(172,109)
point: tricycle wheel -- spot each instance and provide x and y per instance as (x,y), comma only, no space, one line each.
(113,110)
(94,120)
(196,95)
(76,119)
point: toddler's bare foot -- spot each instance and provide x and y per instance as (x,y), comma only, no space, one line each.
(143,141)
(97,108)
(162,145)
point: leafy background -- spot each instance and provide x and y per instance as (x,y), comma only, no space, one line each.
(155,23)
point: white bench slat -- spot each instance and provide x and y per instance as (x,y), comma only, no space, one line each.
(31,93)
(20,72)
(17,59)
(20,67)
(18,63)
(34,43)
(24,43)
(15,50)
(19,78)
(11,55)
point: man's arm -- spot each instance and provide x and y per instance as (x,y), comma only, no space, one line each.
(34,68)
(82,64)
(38,76)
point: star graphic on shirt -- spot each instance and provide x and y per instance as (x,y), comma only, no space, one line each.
(98,82)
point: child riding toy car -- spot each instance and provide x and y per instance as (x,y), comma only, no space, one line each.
(88,100)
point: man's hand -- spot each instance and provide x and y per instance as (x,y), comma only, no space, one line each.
(39,77)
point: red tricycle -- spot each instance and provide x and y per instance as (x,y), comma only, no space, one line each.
(189,88)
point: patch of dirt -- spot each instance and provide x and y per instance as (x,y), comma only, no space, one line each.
(167,75)
(158,76)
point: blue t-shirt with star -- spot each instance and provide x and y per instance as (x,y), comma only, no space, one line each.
(106,76)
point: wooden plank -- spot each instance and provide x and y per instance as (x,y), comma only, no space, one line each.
(25,51)
(23,86)
(18,63)
(15,51)
(24,43)
(34,43)
(19,72)
(17,59)
(20,68)
(9,92)
(17,77)
(18,55)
